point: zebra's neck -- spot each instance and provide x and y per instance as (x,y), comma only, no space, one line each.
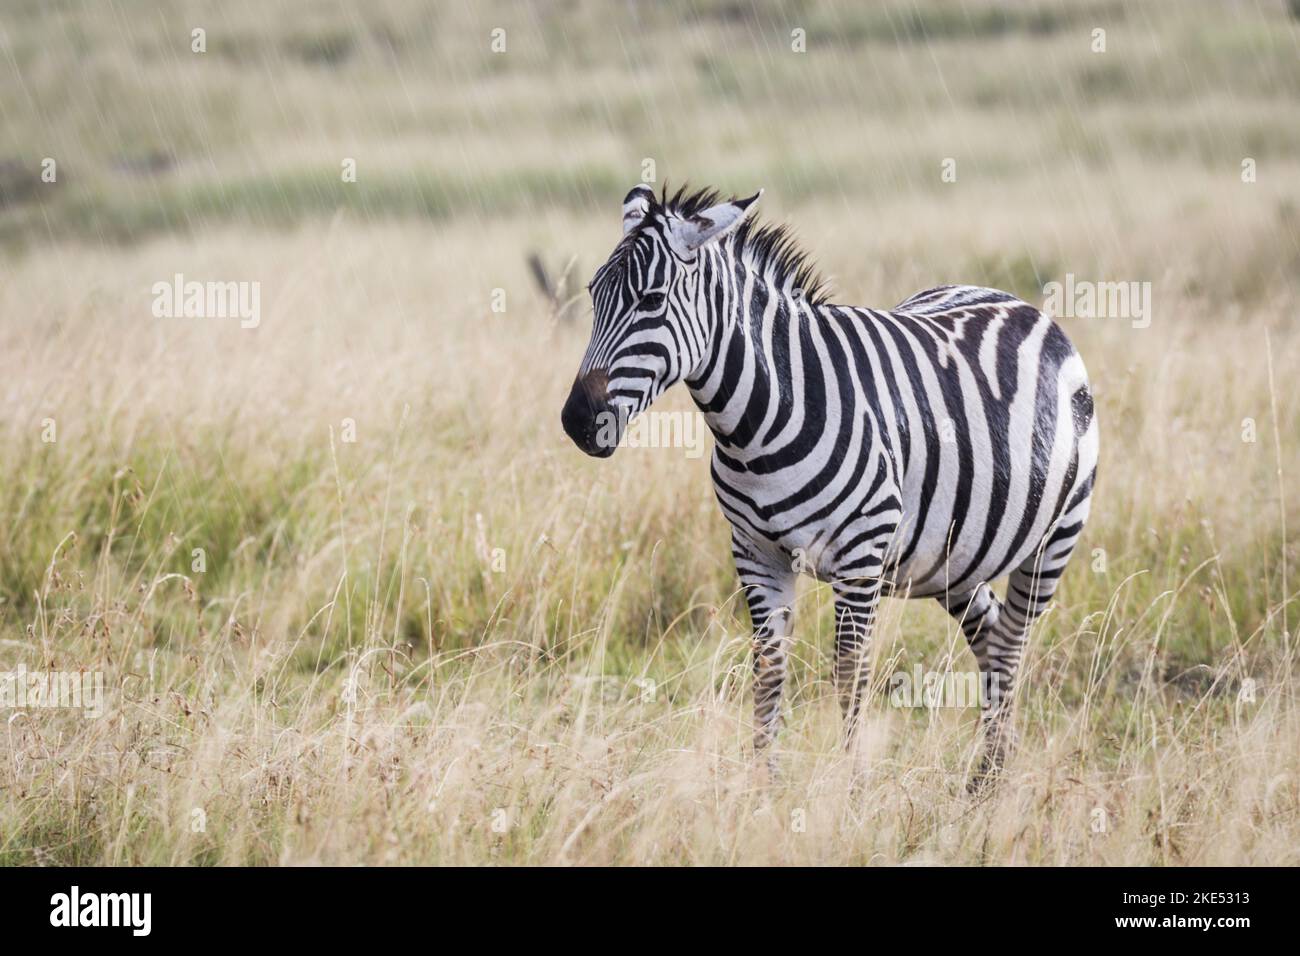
(745,385)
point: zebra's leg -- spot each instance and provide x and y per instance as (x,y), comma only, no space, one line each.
(769,590)
(1029,591)
(977,612)
(855,616)
(857,581)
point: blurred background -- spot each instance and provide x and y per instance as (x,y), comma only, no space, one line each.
(1094,150)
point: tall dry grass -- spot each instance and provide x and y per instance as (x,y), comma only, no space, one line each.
(359,675)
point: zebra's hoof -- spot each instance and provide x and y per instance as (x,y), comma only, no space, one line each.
(767,770)
(985,779)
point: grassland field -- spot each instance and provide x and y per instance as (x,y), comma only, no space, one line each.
(356,598)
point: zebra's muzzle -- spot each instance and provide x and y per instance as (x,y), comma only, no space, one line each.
(589,418)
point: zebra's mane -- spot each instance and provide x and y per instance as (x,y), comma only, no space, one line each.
(772,250)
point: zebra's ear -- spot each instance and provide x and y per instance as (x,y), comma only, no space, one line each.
(713,223)
(635,205)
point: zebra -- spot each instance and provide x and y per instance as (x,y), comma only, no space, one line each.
(919,452)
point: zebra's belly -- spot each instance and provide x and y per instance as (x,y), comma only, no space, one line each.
(971,511)
(960,524)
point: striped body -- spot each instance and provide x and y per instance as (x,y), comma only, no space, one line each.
(921,452)
(960,416)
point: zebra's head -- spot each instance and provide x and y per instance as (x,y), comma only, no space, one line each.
(647,333)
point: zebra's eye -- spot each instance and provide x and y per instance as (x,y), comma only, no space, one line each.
(652,302)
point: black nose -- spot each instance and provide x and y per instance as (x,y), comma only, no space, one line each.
(587,415)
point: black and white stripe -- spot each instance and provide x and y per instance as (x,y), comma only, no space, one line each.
(923,451)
